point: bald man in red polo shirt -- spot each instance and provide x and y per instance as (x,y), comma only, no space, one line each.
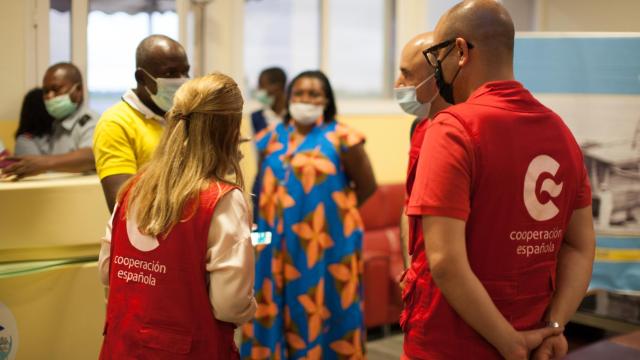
(505,204)
(417,94)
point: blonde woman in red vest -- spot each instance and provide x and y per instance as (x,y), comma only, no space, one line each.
(177,256)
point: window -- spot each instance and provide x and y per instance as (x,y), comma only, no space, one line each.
(287,33)
(437,8)
(115,27)
(356,47)
(60,31)
(284,33)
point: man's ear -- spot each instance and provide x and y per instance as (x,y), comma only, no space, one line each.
(462,47)
(77,93)
(139,75)
(142,79)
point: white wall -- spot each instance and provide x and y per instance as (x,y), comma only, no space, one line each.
(589,15)
(522,12)
(13,59)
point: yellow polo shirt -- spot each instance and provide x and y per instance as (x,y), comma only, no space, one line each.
(125,137)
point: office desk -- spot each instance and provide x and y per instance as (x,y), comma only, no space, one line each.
(52,216)
(51,301)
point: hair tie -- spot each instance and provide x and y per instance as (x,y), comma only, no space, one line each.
(183,117)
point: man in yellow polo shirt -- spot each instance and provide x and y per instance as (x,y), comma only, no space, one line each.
(127,133)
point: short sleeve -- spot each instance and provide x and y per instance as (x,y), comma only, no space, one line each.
(348,137)
(27,145)
(583,198)
(264,137)
(112,149)
(85,137)
(442,186)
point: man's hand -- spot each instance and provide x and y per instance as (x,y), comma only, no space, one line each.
(27,165)
(520,346)
(554,347)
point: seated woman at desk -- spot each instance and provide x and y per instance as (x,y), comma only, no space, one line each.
(34,130)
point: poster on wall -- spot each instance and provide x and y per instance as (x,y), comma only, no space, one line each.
(592,80)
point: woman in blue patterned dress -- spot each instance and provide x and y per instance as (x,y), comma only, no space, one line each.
(308,280)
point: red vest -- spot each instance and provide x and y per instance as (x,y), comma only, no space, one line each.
(415,222)
(519,212)
(416,238)
(158,300)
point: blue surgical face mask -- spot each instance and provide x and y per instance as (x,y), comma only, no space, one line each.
(61,106)
(166,90)
(407,98)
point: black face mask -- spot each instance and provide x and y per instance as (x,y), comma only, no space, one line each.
(446,89)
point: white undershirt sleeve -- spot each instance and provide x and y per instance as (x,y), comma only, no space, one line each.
(230,260)
(105,251)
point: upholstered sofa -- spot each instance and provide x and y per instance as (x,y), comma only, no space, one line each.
(382,255)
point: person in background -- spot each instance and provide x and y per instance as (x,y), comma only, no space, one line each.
(128,132)
(271,95)
(505,203)
(67,145)
(177,254)
(316,174)
(4,153)
(417,94)
(34,131)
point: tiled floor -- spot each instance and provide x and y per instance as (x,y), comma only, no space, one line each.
(386,348)
(389,347)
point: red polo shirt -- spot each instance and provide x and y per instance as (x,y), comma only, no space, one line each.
(511,169)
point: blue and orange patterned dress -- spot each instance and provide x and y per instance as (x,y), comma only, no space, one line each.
(308,280)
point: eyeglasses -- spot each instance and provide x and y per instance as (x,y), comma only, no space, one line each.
(431,54)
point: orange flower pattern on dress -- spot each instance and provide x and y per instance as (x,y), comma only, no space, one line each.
(348,204)
(267,310)
(313,235)
(350,346)
(258,352)
(308,278)
(273,198)
(283,269)
(292,333)
(345,137)
(313,304)
(312,168)
(273,145)
(347,277)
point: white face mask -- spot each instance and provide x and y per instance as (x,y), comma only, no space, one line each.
(407,98)
(166,89)
(305,114)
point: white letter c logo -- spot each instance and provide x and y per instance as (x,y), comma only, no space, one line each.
(539,165)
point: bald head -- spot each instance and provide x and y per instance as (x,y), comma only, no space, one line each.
(157,48)
(158,56)
(412,51)
(65,71)
(484,23)
(475,39)
(63,78)
(413,66)
(415,71)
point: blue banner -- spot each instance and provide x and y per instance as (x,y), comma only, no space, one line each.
(597,65)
